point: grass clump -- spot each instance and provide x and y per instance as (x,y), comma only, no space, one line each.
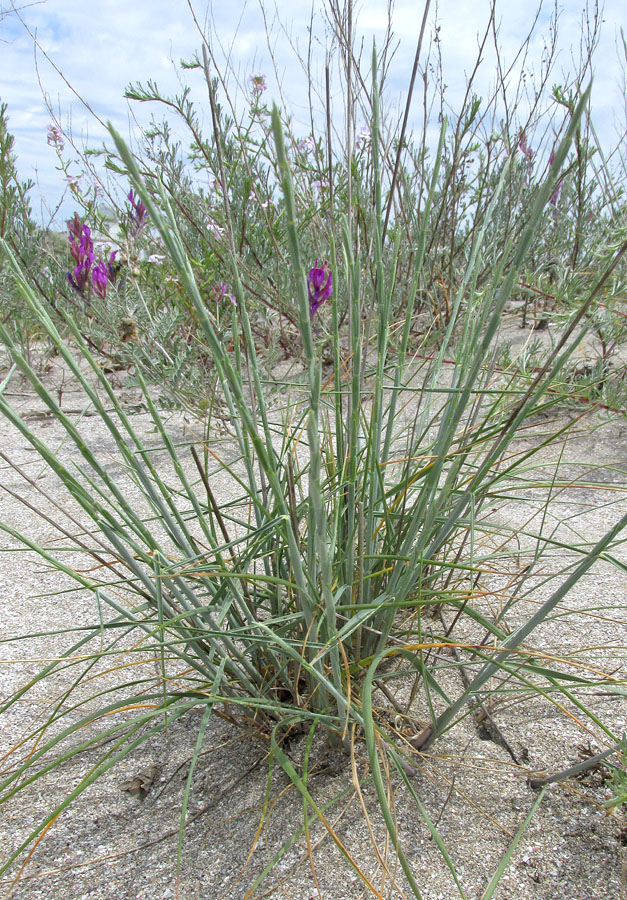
(345,575)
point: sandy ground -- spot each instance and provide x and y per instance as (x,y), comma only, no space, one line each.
(110,843)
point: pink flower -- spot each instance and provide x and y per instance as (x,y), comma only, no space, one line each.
(55,137)
(258,83)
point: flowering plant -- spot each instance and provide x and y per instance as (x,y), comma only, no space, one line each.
(258,83)
(320,286)
(82,250)
(137,213)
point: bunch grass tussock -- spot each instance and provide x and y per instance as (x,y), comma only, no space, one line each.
(301,510)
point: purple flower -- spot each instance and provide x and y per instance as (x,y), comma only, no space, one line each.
(103,274)
(111,265)
(137,213)
(82,250)
(79,236)
(219,291)
(320,285)
(258,83)
(79,276)
(100,279)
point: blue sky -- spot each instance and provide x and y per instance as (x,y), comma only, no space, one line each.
(103,45)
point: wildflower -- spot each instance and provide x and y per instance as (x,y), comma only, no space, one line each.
(81,244)
(103,274)
(320,285)
(79,276)
(55,137)
(74,227)
(100,278)
(112,268)
(215,230)
(525,149)
(258,83)
(82,250)
(220,291)
(306,145)
(364,138)
(137,213)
